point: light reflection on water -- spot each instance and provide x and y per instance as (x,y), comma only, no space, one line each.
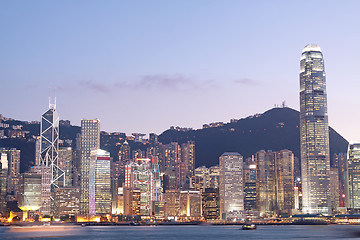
(180,232)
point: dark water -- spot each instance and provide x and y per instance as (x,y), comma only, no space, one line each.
(181,232)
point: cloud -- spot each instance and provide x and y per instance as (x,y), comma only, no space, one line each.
(163,82)
(98,87)
(246,81)
(166,82)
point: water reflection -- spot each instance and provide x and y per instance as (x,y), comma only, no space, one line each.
(207,232)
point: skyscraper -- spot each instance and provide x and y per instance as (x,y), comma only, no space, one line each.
(353,166)
(3,181)
(66,164)
(190,203)
(265,182)
(231,187)
(99,182)
(250,186)
(13,176)
(90,139)
(314,132)
(30,194)
(139,176)
(49,148)
(284,175)
(334,188)
(211,203)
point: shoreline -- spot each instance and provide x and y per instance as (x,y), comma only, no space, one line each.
(86,224)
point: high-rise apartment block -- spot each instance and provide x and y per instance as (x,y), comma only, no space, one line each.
(187,165)
(314,132)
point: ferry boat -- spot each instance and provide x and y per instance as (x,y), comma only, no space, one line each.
(249,226)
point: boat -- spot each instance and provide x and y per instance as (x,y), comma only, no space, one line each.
(248,226)
(133,223)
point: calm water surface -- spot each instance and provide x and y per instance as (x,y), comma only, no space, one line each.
(181,232)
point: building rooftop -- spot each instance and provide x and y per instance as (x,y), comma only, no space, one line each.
(311,47)
(231,153)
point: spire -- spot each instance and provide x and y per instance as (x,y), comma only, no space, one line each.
(52,105)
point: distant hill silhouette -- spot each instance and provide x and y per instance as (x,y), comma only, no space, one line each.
(27,145)
(275,130)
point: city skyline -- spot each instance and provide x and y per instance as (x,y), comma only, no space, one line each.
(183,56)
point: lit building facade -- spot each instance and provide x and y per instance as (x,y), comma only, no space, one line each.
(156,184)
(47,203)
(231,186)
(3,181)
(99,183)
(201,180)
(284,175)
(172,160)
(139,176)
(13,178)
(211,203)
(214,175)
(314,132)
(334,188)
(67,201)
(340,162)
(250,187)
(90,139)
(172,199)
(187,164)
(353,166)
(30,191)
(265,182)
(169,179)
(66,164)
(190,204)
(132,198)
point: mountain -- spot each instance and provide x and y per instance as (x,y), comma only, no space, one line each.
(274,130)
(27,144)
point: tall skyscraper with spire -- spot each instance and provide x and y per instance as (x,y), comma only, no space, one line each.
(314,132)
(49,153)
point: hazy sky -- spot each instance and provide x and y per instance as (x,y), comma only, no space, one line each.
(143,66)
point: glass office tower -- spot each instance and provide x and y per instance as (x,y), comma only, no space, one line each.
(90,140)
(314,132)
(353,166)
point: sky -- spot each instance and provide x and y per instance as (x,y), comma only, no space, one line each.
(143,66)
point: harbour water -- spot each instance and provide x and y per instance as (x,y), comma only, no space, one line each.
(181,232)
